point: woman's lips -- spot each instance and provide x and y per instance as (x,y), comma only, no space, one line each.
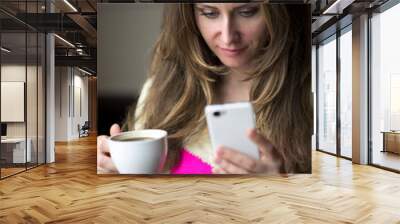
(231,52)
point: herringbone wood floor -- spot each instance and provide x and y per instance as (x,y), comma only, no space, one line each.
(70,191)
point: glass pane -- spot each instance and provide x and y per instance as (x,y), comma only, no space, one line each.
(13,87)
(345,94)
(31,101)
(385,86)
(23,82)
(41,98)
(314,91)
(327,97)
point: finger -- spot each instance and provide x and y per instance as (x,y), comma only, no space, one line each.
(102,145)
(115,129)
(239,159)
(231,168)
(218,170)
(222,171)
(104,171)
(106,163)
(264,146)
(104,160)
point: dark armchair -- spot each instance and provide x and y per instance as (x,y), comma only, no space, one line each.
(84,130)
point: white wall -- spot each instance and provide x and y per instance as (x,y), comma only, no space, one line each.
(12,101)
(61,103)
(82,82)
(314,95)
(12,73)
(67,115)
(79,117)
(33,126)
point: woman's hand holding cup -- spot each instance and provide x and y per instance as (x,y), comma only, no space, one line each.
(104,161)
(132,152)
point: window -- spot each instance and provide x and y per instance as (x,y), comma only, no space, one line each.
(327,96)
(385,88)
(346,93)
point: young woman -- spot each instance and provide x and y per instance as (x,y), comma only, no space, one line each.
(214,53)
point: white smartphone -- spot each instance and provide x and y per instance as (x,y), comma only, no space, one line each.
(227,125)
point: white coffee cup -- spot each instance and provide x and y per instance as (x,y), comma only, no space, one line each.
(143,156)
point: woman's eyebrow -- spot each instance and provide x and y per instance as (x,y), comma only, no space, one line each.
(246,5)
(204,5)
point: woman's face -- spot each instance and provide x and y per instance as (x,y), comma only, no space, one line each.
(233,31)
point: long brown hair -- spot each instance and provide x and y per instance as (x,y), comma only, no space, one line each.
(184,78)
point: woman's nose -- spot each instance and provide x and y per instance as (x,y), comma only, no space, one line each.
(229,32)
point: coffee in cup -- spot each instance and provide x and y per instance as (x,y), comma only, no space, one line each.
(127,139)
(139,151)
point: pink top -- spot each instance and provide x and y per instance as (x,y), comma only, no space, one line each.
(190,164)
(196,156)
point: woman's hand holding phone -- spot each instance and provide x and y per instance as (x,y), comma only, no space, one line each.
(236,153)
(231,161)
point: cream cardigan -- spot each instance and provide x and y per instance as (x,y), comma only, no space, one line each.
(199,147)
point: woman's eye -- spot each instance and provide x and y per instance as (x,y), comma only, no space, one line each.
(209,14)
(248,12)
